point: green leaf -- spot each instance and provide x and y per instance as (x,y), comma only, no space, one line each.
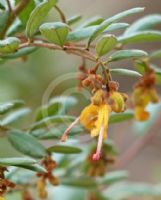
(145,23)
(111,20)
(81,33)
(115,26)
(141,68)
(20,53)
(37,16)
(105,44)
(35,167)
(26,144)
(15,116)
(92,21)
(8,106)
(16,161)
(142,36)
(57,106)
(56,132)
(24,15)
(119,117)
(74,19)
(64,149)
(125,72)
(125,54)
(9,45)
(55,32)
(81,182)
(156,54)
(57,119)
(3,20)
(112,177)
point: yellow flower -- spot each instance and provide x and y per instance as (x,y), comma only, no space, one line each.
(95,118)
(118,102)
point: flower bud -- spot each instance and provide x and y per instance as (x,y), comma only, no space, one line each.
(119,103)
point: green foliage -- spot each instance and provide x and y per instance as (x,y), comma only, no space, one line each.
(9,45)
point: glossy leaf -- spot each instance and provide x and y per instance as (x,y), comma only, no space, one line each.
(9,45)
(144,23)
(26,144)
(14,116)
(81,182)
(64,149)
(74,19)
(119,117)
(81,33)
(24,15)
(55,32)
(125,72)
(126,54)
(16,161)
(105,44)
(8,106)
(57,119)
(111,20)
(38,15)
(142,36)
(57,105)
(115,26)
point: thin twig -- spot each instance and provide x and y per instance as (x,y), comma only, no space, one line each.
(9,6)
(63,18)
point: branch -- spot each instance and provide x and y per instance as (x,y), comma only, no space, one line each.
(63,18)
(138,146)
(12,15)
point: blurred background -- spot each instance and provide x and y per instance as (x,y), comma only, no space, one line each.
(30,78)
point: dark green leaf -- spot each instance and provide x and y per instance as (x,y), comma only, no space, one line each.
(16,161)
(9,45)
(125,54)
(26,144)
(57,119)
(74,19)
(14,116)
(82,182)
(55,32)
(57,106)
(24,15)
(64,149)
(142,36)
(37,16)
(106,44)
(8,106)
(111,20)
(81,33)
(119,117)
(145,23)
(125,72)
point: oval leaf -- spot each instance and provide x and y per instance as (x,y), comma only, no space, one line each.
(143,36)
(37,16)
(9,45)
(125,54)
(115,26)
(119,117)
(8,106)
(74,19)
(106,44)
(55,32)
(125,72)
(16,161)
(64,149)
(144,23)
(111,20)
(82,182)
(26,144)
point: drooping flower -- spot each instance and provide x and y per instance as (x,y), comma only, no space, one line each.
(95,116)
